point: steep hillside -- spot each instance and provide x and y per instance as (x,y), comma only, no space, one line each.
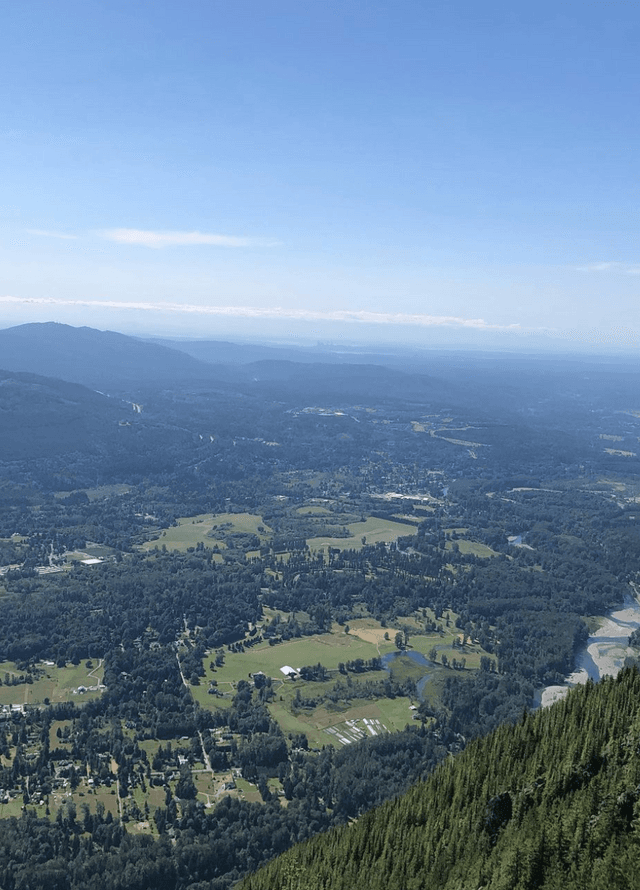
(41,417)
(78,434)
(552,802)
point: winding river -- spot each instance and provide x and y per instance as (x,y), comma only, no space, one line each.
(603,654)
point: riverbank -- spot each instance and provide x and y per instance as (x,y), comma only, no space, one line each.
(604,653)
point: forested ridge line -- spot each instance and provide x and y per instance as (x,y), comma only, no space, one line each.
(550,802)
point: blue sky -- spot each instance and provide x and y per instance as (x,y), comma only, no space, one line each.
(395,171)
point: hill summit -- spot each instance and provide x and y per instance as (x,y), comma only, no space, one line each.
(97,359)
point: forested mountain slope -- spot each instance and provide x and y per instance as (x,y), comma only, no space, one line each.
(550,802)
(101,359)
(44,417)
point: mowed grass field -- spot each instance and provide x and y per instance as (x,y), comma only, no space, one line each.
(210,529)
(374,531)
(57,684)
(474,547)
(328,649)
(204,529)
(365,640)
(393,714)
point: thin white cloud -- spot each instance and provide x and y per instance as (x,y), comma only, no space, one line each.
(344,315)
(46,234)
(623,268)
(158,240)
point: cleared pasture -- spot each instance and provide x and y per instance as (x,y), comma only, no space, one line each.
(373,529)
(99,493)
(247,790)
(329,649)
(13,808)
(474,547)
(393,714)
(189,531)
(208,529)
(57,684)
(211,529)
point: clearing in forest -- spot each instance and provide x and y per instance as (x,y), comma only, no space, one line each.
(209,529)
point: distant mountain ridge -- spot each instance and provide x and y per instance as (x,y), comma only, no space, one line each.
(217,351)
(97,359)
(119,364)
(113,362)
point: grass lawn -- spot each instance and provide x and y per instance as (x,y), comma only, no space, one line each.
(211,529)
(395,713)
(154,797)
(190,531)
(108,797)
(365,639)
(91,551)
(374,530)
(57,685)
(326,726)
(328,649)
(208,529)
(54,741)
(212,702)
(14,808)
(443,644)
(247,790)
(151,747)
(474,547)
(84,794)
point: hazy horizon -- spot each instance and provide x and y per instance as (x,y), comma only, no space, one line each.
(439,174)
(359,339)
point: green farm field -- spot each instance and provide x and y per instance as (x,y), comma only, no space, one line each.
(103,491)
(474,547)
(393,714)
(210,530)
(201,529)
(57,684)
(365,639)
(328,649)
(373,529)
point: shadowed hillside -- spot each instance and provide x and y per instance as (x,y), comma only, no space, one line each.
(41,417)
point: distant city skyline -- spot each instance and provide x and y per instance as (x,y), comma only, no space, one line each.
(424,173)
